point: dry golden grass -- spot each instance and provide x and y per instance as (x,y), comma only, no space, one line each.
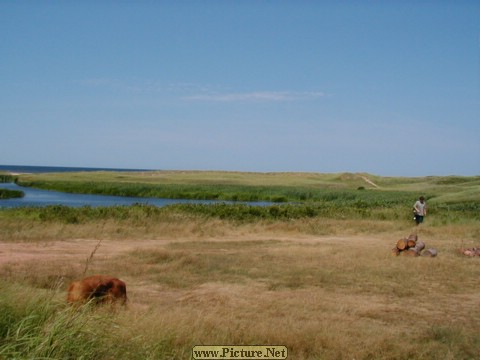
(326,289)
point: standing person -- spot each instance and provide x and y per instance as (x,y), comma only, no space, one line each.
(420,210)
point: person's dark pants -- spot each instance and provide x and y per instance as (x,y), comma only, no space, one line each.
(418,219)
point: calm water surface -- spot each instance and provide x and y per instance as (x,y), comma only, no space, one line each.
(36,197)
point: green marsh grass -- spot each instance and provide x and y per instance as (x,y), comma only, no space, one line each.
(10,194)
(6,178)
(278,187)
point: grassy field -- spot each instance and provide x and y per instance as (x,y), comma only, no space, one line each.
(278,187)
(321,281)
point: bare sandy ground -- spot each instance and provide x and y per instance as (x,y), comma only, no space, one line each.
(67,258)
(67,249)
(25,252)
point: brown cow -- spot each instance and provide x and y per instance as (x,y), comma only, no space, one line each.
(102,288)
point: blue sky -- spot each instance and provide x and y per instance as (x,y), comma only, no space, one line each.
(386,87)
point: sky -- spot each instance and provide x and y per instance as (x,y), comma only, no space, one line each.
(390,88)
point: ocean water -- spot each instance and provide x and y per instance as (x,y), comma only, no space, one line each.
(50,169)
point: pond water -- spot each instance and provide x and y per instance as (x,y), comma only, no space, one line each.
(38,198)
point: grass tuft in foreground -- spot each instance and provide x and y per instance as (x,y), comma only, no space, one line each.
(36,325)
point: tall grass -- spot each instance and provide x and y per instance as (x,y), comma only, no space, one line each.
(322,297)
(335,209)
(36,325)
(148,222)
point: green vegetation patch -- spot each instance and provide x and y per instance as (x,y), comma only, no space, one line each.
(139,213)
(293,195)
(241,193)
(10,194)
(6,178)
(336,206)
(273,187)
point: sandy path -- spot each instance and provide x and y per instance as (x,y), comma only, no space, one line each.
(68,249)
(368,181)
(21,252)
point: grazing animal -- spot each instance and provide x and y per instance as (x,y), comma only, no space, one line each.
(102,288)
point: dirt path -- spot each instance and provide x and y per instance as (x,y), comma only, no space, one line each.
(68,249)
(79,250)
(368,181)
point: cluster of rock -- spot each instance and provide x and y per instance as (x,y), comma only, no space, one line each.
(471,252)
(411,246)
